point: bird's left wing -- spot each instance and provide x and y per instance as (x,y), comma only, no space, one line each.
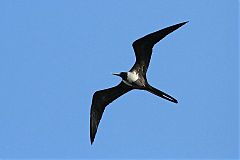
(100,100)
(143,47)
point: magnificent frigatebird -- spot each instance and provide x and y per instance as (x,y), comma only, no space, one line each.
(133,79)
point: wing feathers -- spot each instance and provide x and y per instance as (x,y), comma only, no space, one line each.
(143,46)
(143,51)
(100,100)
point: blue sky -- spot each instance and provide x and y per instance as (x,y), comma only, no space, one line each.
(55,54)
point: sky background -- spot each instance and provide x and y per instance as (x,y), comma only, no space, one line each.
(55,54)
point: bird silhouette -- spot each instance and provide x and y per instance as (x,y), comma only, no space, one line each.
(135,78)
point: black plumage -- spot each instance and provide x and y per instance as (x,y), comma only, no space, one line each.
(134,79)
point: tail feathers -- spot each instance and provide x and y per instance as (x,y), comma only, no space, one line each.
(161,94)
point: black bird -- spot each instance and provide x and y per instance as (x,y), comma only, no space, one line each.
(133,79)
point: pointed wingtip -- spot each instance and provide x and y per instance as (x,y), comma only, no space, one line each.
(181,24)
(92,140)
(174,27)
(92,136)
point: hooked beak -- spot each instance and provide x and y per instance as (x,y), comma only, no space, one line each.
(116,74)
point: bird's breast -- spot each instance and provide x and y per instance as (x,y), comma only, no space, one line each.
(132,77)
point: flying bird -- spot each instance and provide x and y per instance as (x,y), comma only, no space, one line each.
(135,78)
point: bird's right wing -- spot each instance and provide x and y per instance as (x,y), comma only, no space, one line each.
(143,47)
(100,100)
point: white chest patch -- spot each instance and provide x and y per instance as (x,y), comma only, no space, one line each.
(132,76)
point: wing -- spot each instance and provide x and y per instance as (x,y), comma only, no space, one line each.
(143,47)
(100,100)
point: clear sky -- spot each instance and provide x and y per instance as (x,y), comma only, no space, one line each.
(55,54)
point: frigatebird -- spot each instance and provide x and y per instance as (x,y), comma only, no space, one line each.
(135,78)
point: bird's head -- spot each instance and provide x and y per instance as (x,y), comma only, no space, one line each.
(123,75)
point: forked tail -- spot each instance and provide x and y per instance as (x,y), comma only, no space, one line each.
(161,94)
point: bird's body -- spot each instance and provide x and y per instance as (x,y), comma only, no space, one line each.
(135,78)
(132,77)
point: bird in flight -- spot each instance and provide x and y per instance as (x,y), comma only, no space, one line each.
(135,78)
